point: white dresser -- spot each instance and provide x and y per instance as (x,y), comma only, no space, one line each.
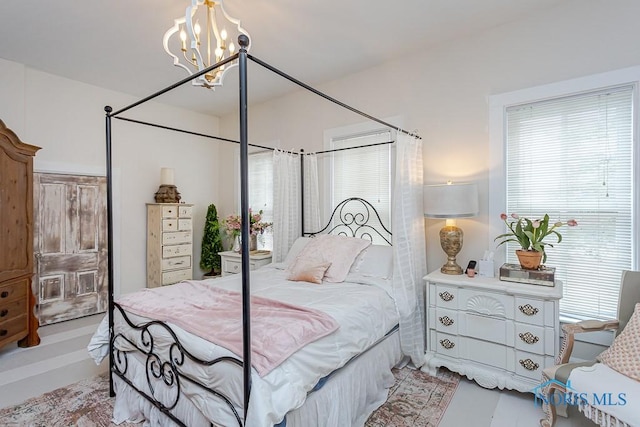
(169,243)
(232,261)
(499,334)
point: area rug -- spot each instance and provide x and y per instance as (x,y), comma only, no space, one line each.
(416,399)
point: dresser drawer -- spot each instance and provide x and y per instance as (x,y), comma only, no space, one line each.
(184,211)
(176,262)
(446,296)
(485,352)
(13,308)
(486,303)
(447,345)
(176,237)
(232,266)
(14,329)
(169,211)
(529,365)
(530,338)
(171,277)
(13,291)
(484,328)
(169,225)
(529,310)
(176,250)
(184,224)
(445,320)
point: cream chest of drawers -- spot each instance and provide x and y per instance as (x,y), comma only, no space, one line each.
(499,334)
(169,243)
(232,261)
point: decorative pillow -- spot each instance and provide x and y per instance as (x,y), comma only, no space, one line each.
(302,272)
(374,261)
(295,249)
(340,251)
(624,354)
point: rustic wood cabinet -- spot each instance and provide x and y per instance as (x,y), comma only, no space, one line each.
(169,243)
(17,317)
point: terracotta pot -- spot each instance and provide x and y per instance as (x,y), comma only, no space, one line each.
(529,260)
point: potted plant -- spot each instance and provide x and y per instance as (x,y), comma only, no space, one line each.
(211,243)
(530,235)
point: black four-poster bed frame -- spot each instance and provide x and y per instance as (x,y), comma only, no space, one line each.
(166,370)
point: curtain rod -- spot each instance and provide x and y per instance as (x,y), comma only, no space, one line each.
(327,97)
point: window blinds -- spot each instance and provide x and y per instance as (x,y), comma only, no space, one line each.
(571,158)
(261,190)
(364,172)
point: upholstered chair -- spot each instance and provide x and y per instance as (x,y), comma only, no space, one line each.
(629,297)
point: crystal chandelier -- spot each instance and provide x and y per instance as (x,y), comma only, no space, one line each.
(206,34)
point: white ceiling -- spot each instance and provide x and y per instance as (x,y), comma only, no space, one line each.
(117,44)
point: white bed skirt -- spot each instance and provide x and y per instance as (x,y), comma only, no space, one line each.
(347,399)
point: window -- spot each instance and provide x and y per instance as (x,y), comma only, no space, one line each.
(261,191)
(572,157)
(363,172)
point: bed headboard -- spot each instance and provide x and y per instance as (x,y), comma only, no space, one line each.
(356,217)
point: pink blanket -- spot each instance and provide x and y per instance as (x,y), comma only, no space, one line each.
(277,329)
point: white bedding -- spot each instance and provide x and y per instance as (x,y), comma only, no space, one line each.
(365,313)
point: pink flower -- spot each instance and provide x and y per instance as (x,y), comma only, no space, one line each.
(536,223)
(503,216)
(572,223)
(515,216)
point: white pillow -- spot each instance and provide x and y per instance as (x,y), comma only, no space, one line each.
(340,251)
(295,249)
(374,261)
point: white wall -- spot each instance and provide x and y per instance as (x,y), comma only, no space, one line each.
(443,94)
(67,119)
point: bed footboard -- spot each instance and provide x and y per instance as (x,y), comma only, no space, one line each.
(164,370)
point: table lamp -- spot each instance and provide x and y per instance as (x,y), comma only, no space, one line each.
(450,201)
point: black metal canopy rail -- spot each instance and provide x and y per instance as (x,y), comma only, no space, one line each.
(241,57)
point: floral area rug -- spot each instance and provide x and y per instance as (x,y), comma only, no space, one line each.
(416,399)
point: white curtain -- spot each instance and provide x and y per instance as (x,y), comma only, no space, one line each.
(311,194)
(409,254)
(286,202)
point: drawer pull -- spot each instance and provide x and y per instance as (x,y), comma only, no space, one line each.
(4,312)
(4,294)
(446,321)
(529,364)
(529,338)
(3,332)
(447,344)
(528,310)
(446,296)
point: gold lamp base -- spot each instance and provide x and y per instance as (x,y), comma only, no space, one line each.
(451,242)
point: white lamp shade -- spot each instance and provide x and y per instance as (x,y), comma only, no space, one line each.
(451,200)
(166,176)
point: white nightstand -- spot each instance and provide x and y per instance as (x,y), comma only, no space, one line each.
(232,261)
(499,334)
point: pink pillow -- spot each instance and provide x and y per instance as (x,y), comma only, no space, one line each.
(624,353)
(339,251)
(302,272)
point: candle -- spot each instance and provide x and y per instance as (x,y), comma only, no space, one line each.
(166,176)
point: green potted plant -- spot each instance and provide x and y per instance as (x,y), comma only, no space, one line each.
(211,243)
(530,235)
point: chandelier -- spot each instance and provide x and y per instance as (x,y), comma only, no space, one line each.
(206,34)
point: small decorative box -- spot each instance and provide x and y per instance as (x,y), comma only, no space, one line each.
(544,276)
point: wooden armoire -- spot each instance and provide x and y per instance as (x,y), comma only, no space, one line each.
(17,317)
